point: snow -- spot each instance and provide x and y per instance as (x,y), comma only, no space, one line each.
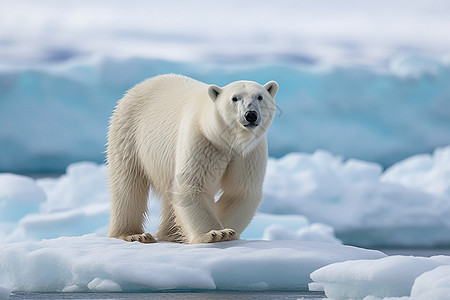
(407,205)
(393,276)
(312,203)
(93,263)
(423,172)
(307,197)
(434,284)
(19,195)
(314,232)
(74,204)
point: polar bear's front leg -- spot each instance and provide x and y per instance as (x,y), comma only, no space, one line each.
(195,214)
(242,186)
(198,171)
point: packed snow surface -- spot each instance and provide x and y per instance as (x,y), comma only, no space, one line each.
(312,203)
(93,263)
(393,276)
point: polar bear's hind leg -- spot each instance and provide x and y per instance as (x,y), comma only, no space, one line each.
(129,187)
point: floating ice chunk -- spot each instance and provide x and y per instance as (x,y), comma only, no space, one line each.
(73,288)
(392,276)
(434,284)
(425,172)
(315,232)
(70,222)
(257,227)
(84,183)
(75,203)
(103,285)
(363,205)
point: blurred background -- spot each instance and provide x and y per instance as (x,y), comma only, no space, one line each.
(367,80)
(364,89)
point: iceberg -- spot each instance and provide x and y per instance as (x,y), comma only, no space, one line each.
(56,114)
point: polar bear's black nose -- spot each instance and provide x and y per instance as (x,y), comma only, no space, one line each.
(251,116)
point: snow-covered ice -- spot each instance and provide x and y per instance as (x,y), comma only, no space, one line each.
(393,276)
(312,202)
(93,263)
(407,205)
(318,197)
(434,284)
(73,204)
(19,196)
(315,232)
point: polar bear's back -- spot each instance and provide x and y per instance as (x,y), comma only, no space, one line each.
(157,108)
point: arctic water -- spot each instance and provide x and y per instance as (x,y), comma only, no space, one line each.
(172,296)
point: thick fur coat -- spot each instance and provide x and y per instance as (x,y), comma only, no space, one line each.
(188,141)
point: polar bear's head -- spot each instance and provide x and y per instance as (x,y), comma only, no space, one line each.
(246,109)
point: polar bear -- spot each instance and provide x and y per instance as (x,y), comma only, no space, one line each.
(188,142)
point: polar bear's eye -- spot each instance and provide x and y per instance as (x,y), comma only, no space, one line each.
(260,97)
(234,99)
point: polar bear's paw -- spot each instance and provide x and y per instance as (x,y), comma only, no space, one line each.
(145,238)
(216,236)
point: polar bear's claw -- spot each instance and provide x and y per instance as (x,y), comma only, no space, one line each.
(145,238)
(217,236)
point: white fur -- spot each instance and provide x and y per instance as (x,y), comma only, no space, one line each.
(186,140)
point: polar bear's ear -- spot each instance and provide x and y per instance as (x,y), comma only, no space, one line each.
(272,88)
(214,92)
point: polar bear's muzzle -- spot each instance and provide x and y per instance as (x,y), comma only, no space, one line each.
(252,119)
